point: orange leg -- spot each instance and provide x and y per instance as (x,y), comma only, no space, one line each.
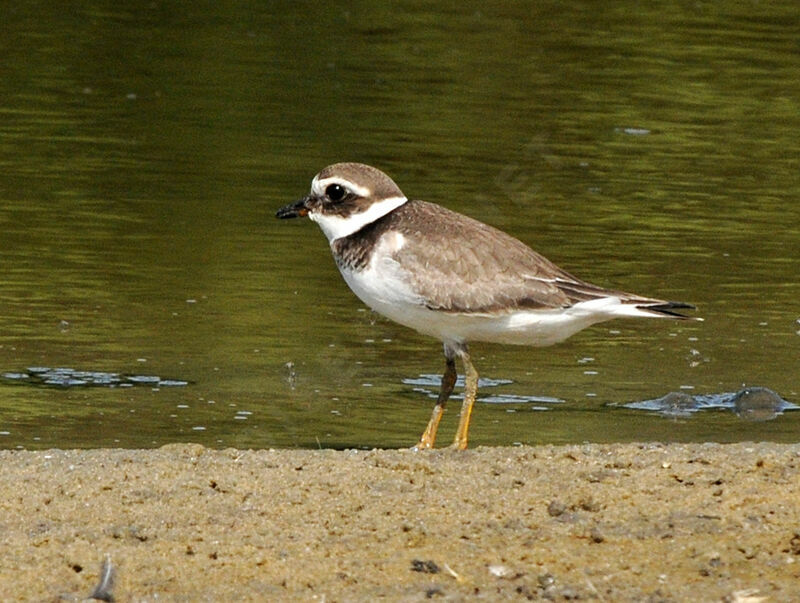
(448,383)
(470,391)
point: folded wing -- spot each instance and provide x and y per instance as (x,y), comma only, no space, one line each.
(495,272)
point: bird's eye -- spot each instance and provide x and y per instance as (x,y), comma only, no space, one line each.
(335,192)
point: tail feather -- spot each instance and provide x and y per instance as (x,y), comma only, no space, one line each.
(627,304)
(669,309)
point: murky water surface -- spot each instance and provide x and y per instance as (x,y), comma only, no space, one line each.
(144,149)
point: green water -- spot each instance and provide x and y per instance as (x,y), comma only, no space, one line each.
(144,150)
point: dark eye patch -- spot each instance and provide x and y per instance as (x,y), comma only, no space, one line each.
(335,192)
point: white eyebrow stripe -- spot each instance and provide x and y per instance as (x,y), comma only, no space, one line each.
(318,186)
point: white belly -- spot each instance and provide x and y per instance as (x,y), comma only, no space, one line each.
(381,286)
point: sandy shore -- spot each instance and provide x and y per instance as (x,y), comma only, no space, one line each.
(605,522)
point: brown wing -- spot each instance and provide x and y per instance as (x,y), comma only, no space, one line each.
(492,271)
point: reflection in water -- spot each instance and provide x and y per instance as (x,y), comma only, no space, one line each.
(429,385)
(67,377)
(145,147)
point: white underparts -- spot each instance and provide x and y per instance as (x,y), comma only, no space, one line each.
(383,287)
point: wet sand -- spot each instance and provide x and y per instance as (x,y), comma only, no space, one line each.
(607,522)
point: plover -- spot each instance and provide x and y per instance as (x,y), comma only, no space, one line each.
(452,277)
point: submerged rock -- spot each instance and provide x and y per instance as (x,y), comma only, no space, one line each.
(751,404)
(758,404)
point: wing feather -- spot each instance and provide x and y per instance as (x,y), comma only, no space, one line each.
(492,272)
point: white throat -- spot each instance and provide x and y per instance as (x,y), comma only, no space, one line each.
(335,227)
